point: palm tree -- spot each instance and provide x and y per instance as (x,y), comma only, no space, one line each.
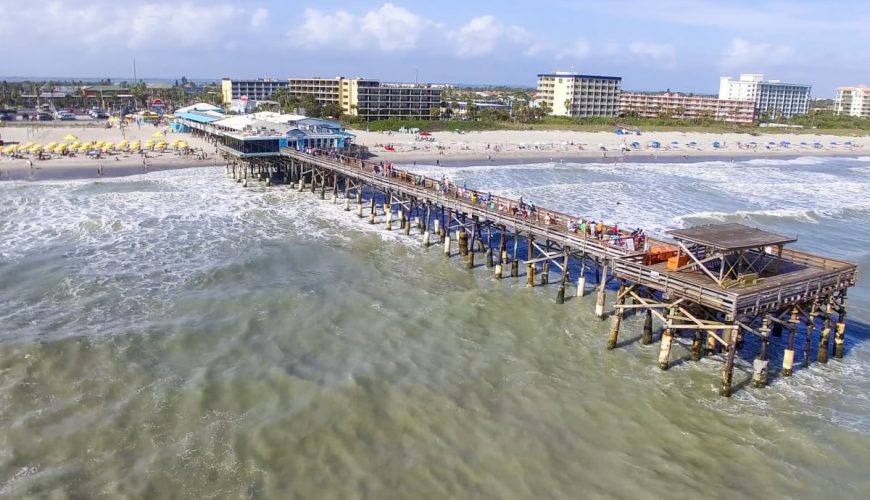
(568,108)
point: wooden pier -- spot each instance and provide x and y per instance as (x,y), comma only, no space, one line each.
(710,287)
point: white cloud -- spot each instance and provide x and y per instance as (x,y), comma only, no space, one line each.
(259,17)
(484,34)
(114,24)
(321,29)
(580,49)
(394,28)
(662,53)
(391,28)
(745,55)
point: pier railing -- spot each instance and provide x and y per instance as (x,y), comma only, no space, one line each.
(434,191)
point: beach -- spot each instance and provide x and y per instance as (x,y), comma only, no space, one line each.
(448,148)
(553,144)
(115,163)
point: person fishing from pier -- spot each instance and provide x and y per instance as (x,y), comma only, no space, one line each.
(599,228)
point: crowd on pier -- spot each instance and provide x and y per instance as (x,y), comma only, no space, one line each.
(526,210)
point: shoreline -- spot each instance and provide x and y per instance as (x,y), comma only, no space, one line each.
(79,171)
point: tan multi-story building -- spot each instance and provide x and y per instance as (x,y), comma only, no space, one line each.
(368,99)
(570,94)
(853,101)
(686,107)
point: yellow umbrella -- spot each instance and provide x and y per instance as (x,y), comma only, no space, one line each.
(84,148)
(59,149)
(158,135)
(70,137)
(51,145)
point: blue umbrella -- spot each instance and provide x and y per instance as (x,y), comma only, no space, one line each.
(675,142)
(848,143)
(692,143)
(803,144)
(753,142)
(654,144)
(635,144)
(771,143)
(784,143)
(833,143)
(716,144)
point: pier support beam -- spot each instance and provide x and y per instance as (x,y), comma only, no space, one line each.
(462,240)
(824,341)
(600,300)
(647,337)
(560,295)
(728,370)
(840,333)
(788,353)
(446,244)
(616,317)
(697,346)
(712,344)
(759,366)
(808,338)
(665,349)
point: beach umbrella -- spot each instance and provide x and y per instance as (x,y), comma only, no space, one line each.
(771,143)
(833,143)
(51,145)
(675,143)
(784,143)
(716,144)
(692,143)
(654,144)
(635,145)
(70,137)
(848,143)
(158,135)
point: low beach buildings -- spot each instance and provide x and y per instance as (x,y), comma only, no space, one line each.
(368,99)
(572,94)
(686,107)
(773,98)
(853,101)
(263,133)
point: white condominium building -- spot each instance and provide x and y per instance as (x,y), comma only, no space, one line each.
(772,97)
(853,101)
(570,94)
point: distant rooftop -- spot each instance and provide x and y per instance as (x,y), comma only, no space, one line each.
(557,74)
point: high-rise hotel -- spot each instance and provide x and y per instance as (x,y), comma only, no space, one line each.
(772,97)
(572,94)
(368,99)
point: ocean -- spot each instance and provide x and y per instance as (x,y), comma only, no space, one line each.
(173,334)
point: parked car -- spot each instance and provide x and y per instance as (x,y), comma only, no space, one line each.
(65,116)
(99,114)
(44,117)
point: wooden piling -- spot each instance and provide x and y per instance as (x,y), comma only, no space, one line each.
(601,299)
(697,346)
(545,273)
(788,353)
(840,334)
(808,338)
(647,337)
(760,364)
(616,317)
(665,349)
(560,295)
(824,340)
(728,369)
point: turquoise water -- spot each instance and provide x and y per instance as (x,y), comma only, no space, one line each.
(175,335)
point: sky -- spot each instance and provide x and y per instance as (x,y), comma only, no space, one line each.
(683,45)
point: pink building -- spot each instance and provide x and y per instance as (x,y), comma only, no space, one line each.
(686,107)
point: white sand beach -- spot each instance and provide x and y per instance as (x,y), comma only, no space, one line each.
(544,144)
(115,162)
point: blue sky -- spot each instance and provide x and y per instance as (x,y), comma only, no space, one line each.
(653,44)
